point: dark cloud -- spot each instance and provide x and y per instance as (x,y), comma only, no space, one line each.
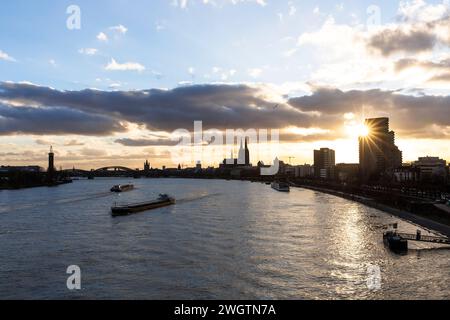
(218,106)
(424,36)
(388,42)
(146,142)
(408,113)
(55,120)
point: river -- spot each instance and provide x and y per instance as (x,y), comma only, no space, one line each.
(222,240)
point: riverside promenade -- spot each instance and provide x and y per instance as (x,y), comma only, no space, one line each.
(402,214)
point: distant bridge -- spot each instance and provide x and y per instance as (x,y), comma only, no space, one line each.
(110,171)
(114,169)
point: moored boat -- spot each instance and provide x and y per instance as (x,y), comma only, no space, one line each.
(162,201)
(281,186)
(395,242)
(122,188)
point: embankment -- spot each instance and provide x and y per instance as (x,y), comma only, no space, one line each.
(411,217)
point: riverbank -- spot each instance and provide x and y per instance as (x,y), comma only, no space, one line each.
(35,185)
(410,217)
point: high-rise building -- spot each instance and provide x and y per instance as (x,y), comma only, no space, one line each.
(324,163)
(378,153)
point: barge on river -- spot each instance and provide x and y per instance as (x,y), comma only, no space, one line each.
(125,210)
(122,188)
(281,186)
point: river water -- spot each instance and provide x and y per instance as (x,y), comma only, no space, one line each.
(223,240)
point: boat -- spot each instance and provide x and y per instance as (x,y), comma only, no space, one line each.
(395,242)
(163,201)
(122,188)
(281,186)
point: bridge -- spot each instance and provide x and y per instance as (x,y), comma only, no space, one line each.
(114,169)
(110,171)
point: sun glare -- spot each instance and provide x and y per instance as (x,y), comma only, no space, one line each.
(364,130)
(357,130)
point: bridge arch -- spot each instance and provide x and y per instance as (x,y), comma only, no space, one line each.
(114,168)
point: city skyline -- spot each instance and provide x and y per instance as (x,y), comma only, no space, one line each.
(115,89)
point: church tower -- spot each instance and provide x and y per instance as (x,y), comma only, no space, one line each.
(146,166)
(247,153)
(242,157)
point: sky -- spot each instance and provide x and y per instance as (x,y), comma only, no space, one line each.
(108,82)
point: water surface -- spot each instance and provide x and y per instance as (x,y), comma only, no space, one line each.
(223,240)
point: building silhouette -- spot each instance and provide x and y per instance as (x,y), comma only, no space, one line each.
(51,160)
(51,165)
(431,169)
(243,159)
(244,154)
(147,166)
(324,163)
(378,153)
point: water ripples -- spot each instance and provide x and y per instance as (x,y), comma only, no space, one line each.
(223,239)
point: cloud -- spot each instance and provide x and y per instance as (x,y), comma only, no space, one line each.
(88,51)
(55,121)
(422,27)
(443,77)
(120,29)
(292,8)
(440,70)
(89,152)
(389,42)
(127,66)
(114,86)
(356,55)
(6,57)
(183,4)
(421,11)
(403,64)
(102,37)
(255,72)
(43,142)
(73,143)
(146,142)
(408,113)
(219,106)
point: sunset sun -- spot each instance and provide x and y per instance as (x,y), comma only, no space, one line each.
(356,130)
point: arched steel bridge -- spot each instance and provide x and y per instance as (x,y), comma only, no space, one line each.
(110,171)
(115,169)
